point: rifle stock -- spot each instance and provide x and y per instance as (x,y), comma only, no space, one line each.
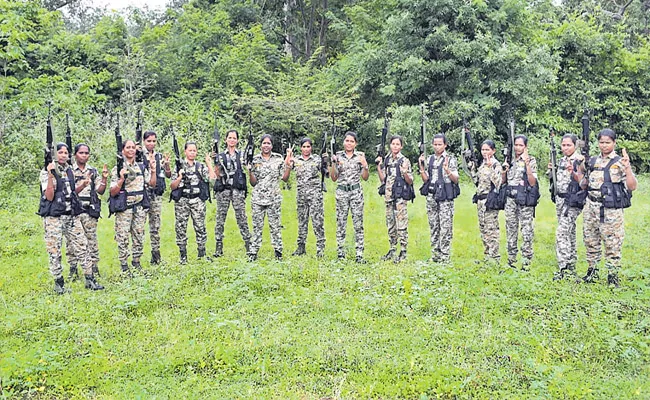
(118,141)
(139,153)
(49,139)
(553,185)
(68,138)
(250,146)
(381,147)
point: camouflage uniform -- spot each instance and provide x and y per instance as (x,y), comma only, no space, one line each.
(266,200)
(517,215)
(131,221)
(397,218)
(309,199)
(611,231)
(441,213)
(565,235)
(155,205)
(88,223)
(488,220)
(66,225)
(234,196)
(349,197)
(190,205)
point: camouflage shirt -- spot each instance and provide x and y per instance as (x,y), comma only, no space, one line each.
(192,176)
(516,172)
(307,174)
(563,176)
(80,175)
(62,173)
(349,169)
(391,172)
(134,181)
(437,160)
(268,173)
(597,178)
(488,176)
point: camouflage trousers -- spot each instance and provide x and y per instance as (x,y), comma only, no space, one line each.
(89,228)
(517,216)
(55,229)
(441,226)
(611,232)
(275,226)
(565,235)
(349,202)
(397,221)
(154,213)
(488,224)
(184,209)
(130,223)
(238,200)
(311,206)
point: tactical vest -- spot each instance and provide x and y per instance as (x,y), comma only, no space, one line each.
(58,206)
(441,190)
(161,186)
(118,203)
(526,195)
(614,195)
(95,207)
(238,179)
(400,189)
(187,190)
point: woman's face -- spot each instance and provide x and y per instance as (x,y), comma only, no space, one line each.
(439,146)
(606,145)
(129,150)
(232,140)
(487,151)
(190,152)
(150,143)
(349,143)
(568,147)
(62,155)
(520,146)
(267,146)
(306,149)
(395,146)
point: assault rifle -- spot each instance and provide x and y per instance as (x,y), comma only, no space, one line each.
(215,141)
(553,187)
(68,138)
(585,139)
(177,152)
(118,141)
(509,151)
(139,153)
(381,147)
(423,127)
(250,146)
(49,138)
(469,151)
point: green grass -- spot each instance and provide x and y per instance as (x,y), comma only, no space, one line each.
(306,328)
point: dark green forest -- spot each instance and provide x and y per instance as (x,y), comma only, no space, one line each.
(287,64)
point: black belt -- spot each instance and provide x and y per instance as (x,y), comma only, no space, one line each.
(562,195)
(348,188)
(595,199)
(191,195)
(481,196)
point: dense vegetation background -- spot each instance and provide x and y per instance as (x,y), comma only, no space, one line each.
(307,328)
(288,63)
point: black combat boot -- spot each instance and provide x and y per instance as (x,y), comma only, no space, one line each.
(183,258)
(320,253)
(388,255)
(592,275)
(252,257)
(74,273)
(218,250)
(155,257)
(401,257)
(95,270)
(247,245)
(126,271)
(278,255)
(92,284)
(360,260)
(201,252)
(612,279)
(300,250)
(59,287)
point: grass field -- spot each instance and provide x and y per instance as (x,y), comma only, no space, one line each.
(307,328)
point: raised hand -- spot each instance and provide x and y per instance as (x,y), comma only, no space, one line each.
(105,172)
(625,160)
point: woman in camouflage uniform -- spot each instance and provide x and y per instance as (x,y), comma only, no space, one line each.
(265,174)
(309,197)
(520,178)
(488,178)
(440,174)
(565,235)
(230,187)
(397,217)
(191,189)
(58,207)
(162,171)
(347,169)
(603,216)
(130,222)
